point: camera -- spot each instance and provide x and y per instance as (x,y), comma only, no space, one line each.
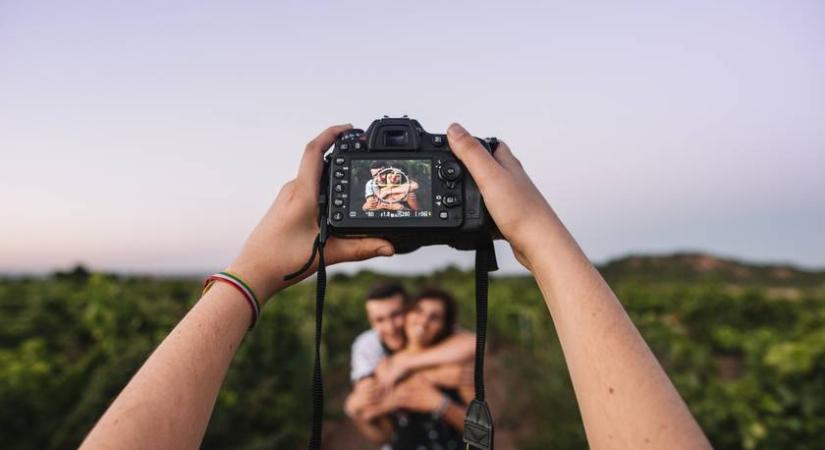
(398,182)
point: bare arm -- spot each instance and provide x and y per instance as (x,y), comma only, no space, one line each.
(362,406)
(459,347)
(455,415)
(412,200)
(453,376)
(168,402)
(418,394)
(371,204)
(625,397)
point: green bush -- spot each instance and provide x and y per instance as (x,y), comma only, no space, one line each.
(751,366)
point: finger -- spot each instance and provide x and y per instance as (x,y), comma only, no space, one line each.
(506,158)
(479,162)
(342,250)
(309,172)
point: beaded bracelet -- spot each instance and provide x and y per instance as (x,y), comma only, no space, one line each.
(241,286)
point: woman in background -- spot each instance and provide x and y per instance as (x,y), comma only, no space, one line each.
(421,412)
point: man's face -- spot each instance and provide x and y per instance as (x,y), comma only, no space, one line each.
(376,174)
(386,317)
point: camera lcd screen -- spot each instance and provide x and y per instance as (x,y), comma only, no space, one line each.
(391,188)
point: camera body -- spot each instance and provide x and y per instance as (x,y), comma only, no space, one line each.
(398,182)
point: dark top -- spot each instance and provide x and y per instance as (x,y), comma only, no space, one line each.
(421,431)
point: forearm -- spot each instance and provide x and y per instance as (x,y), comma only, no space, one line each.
(455,415)
(457,348)
(371,420)
(412,200)
(626,399)
(168,402)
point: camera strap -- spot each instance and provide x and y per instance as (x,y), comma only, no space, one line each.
(478,424)
(320,293)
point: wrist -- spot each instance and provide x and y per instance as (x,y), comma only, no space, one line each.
(534,242)
(442,406)
(263,283)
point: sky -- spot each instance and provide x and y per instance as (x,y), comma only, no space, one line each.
(151,136)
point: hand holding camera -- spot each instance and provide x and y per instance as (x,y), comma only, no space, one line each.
(624,396)
(518,209)
(283,238)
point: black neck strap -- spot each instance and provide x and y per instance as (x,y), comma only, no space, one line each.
(478,424)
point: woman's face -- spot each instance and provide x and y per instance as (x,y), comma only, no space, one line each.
(424,322)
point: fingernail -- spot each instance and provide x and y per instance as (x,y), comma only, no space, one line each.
(456,130)
(385,251)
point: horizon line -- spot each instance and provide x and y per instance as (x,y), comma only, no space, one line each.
(195,272)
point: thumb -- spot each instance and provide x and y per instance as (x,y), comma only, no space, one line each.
(357,249)
(479,161)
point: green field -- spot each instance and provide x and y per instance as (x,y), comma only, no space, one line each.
(744,344)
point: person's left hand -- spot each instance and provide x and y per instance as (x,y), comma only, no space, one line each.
(282,242)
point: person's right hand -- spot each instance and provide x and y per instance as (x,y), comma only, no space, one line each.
(284,238)
(516,205)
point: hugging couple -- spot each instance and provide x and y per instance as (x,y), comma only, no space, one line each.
(412,372)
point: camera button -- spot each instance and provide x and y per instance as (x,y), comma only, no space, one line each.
(340,161)
(450,200)
(443,215)
(358,146)
(339,188)
(339,174)
(438,140)
(343,146)
(450,171)
(337,216)
(338,202)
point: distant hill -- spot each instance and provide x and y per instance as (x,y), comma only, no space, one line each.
(683,267)
(694,267)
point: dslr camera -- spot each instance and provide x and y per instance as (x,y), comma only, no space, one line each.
(398,182)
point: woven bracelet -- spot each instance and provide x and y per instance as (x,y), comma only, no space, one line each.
(241,286)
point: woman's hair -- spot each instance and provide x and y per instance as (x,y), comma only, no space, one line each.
(450,309)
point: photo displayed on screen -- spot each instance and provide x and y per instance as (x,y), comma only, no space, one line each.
(391,188)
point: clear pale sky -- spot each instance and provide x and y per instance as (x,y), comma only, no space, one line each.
(151,136)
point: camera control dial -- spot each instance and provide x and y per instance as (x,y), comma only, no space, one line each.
(449,171)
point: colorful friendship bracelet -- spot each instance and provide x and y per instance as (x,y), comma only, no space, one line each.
(241,286)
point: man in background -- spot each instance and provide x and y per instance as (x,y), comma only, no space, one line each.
(374,369)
